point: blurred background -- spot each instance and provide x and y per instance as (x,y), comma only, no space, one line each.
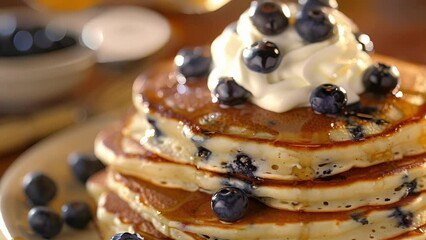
(82,82)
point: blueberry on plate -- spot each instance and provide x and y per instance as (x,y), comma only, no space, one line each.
(44,221)
(229,204)
(126,236)
(76,214)
(193,62)
(310,4)
(315,25)
(381,78)
(365,41)
(268,17)
(84,165)
(328,99)
(39,188)
(228,92)
(262,57)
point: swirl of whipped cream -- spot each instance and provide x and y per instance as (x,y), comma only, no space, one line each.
(304,66)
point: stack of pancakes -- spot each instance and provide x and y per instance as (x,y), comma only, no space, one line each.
(358,175)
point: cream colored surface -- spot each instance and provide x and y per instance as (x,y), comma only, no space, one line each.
(51,158)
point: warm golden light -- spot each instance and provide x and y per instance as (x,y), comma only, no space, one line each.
(63,5)
(187,6)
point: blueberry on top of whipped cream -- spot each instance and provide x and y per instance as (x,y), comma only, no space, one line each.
(262,57)
(315,25)
(381,78)
(228,92)
(328,99)
(309,4)
(269,17)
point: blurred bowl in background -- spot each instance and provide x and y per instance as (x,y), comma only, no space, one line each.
(40,60)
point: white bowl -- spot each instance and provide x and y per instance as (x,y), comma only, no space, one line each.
(31,81)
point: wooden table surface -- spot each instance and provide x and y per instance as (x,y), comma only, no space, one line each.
(397,27)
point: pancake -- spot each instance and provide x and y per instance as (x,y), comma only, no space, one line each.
(380,184)
(116,214)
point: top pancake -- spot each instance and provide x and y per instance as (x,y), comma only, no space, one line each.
(189,100)
(178,121)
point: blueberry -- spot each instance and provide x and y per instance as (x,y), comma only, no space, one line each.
(193,62)
(45,222)
(328,99)
(310,4)
(242,164)
(357,132)
(39,188)
(203,153)
(365,41)
(228,92)
(404,218)
(410,187)
(381,78)
(315,25)
(157,132)
(268,17)
(126,236)
(262,57)
(84,165)
(76,214)
(359,217)
(229,204)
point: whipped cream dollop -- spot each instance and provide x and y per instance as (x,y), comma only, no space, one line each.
(304,66)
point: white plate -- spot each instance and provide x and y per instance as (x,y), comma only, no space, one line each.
(126,33)
(50,157)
